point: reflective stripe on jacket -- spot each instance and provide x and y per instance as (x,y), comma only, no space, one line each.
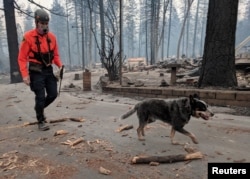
(28,46)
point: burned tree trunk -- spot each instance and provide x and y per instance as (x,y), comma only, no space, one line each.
(9,12)
(110,59)
(218,65)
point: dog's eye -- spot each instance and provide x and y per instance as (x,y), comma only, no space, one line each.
(204,109)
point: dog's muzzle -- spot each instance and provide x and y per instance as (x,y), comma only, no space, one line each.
(204,114)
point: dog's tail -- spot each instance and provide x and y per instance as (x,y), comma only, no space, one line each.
(129,113)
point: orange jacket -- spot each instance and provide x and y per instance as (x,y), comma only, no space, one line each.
(29,44)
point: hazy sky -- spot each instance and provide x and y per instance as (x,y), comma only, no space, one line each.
(45,3)
(177,3)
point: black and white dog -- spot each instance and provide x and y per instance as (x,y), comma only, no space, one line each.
(176,112)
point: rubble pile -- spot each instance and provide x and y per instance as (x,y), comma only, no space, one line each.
(188,71)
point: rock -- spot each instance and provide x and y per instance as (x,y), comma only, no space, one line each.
(164,83)
(139,83)
(104,81)
(126,82)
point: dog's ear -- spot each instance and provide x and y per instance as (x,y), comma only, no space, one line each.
(185,102)
(191,98)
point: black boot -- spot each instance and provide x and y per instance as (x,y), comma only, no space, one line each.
(42,126)
(41,120)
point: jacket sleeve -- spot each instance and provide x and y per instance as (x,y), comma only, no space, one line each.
(57,60)
(23,57)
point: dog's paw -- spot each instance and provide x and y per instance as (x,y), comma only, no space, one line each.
(120,118)
(195,141)
(141,139)
(175,143)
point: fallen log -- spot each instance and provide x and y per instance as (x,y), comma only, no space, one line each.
(167,159)
(51,121)
(58,120)
(30,123)
(77,119)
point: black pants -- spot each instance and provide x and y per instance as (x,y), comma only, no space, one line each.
(44,85)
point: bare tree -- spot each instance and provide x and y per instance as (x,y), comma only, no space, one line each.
(157,21)
(154,26)
(183,27)
(165,7)
(76,13)
(29,22)
(195,27)
(101,9)
(90,5)
(218,65)
(82,31)
(169,25)
(109,54)
(146,34)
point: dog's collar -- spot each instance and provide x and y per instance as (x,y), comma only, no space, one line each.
(192,112)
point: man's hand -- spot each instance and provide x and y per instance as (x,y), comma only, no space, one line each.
(59,73)
(26,80)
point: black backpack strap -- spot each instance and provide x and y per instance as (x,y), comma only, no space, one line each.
(51,53)
(45,58)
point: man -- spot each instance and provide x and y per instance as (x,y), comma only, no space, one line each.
(38,51)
